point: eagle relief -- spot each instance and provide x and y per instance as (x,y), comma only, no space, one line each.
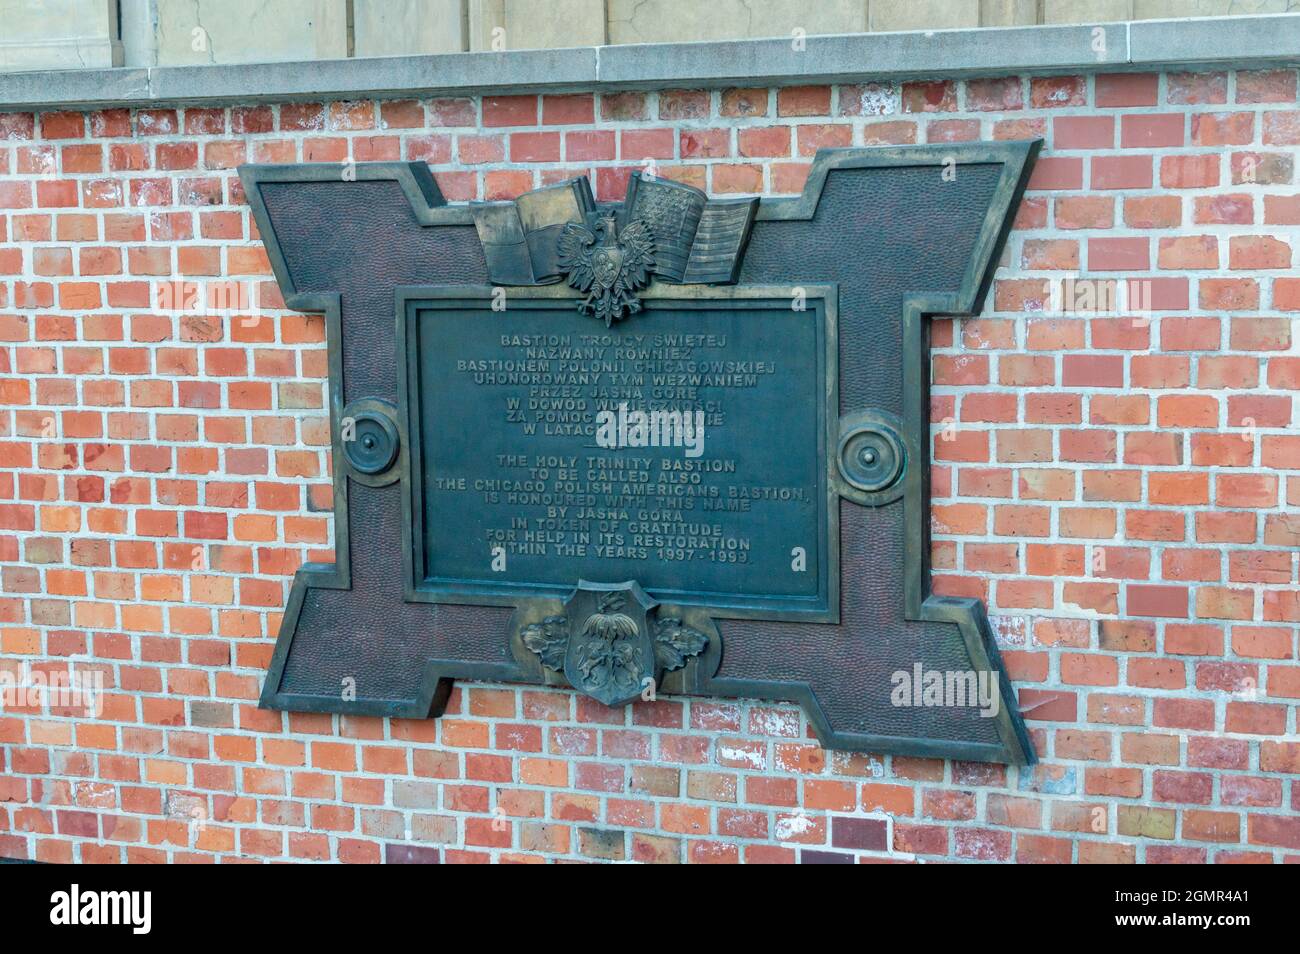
(620,648)
(608,266)
(662,230)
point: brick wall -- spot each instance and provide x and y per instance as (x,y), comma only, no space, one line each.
(1121,489)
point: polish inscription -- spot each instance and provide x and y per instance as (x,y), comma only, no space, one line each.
(682,448)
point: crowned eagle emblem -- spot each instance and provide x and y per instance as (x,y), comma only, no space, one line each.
(608,265)
(622,647)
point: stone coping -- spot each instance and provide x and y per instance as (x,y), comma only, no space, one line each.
(1239,41)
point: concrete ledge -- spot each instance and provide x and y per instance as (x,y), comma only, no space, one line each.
(1216,40)
(333,79)
(313,79)
(1248,42)
(938,53)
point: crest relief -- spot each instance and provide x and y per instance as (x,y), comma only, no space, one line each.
(611,643)
(608,264)
(609,252)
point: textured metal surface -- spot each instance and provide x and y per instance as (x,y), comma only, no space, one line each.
(898,238)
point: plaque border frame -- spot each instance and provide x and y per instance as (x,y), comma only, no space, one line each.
(429,208)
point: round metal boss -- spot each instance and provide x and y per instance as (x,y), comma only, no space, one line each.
(374,443)
(871,457)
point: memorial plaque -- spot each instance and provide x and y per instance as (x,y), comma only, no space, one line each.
(670,445)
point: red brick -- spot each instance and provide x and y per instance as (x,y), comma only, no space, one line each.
(1222,129)
(1121,172)
(1167,601)
(929,97)
(1223,210)
(1050,92)
(1056,173)
(1101,371)
(1000,95)
(1126,89)
(1152,212)
(1151,131)
(1119,254)
(1258,252)
(1083,132)
(1189,252)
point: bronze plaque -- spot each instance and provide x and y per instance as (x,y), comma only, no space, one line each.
(674,444)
